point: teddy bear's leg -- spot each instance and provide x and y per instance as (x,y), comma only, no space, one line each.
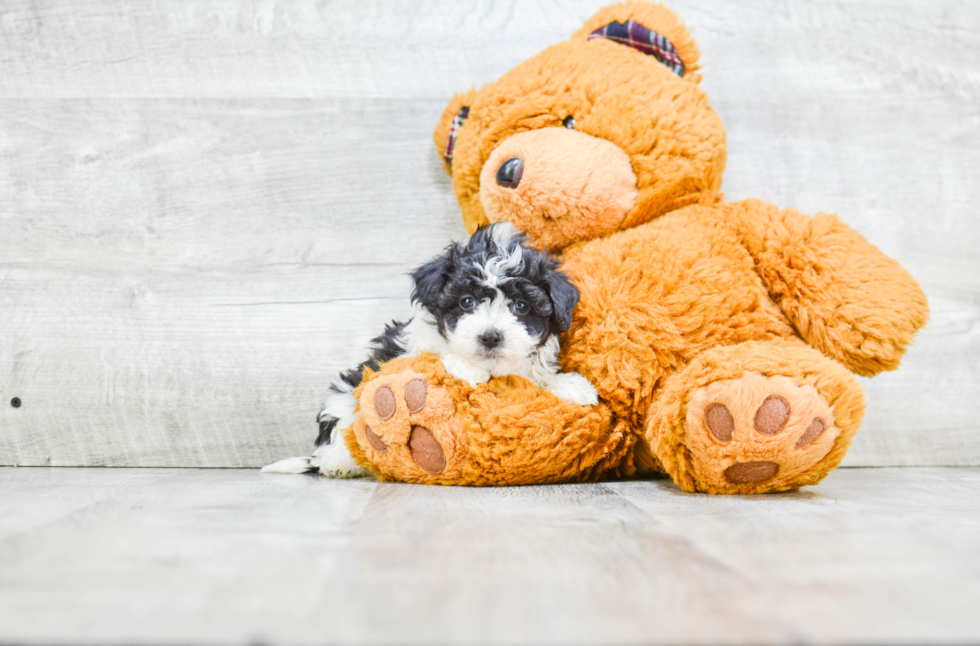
(418,424)
(755,417)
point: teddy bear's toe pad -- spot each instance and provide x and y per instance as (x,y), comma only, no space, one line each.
(415,393)
(756,431)
(408,428)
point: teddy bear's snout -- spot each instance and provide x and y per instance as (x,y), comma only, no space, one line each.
(558,185)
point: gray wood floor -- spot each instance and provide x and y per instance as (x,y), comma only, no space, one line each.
(113,556)
(207,207)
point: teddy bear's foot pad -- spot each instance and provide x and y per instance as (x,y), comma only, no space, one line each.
(408,427)
(757,432)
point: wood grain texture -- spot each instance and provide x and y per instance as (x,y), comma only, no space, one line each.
(207,208)
(216,556)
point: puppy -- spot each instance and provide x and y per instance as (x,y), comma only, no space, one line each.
(491,307)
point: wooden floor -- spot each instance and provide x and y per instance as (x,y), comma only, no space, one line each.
(115,556)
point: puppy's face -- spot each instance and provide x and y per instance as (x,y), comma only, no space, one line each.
(495,328)
(495,300)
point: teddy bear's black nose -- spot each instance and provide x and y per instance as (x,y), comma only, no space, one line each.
(510,172)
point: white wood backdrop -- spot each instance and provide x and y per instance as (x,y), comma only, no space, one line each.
(208,207)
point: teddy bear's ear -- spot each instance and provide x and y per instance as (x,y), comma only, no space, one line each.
(453,118)
(652,29)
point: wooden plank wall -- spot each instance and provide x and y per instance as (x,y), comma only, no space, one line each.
(208,207)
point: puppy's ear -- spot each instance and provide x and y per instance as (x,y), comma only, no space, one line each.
(431,278)
(564,297)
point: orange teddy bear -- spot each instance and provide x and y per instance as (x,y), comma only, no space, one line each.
(722,338)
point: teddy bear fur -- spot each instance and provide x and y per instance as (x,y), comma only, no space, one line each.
(723,338)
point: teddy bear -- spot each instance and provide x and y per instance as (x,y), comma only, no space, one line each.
(723,338)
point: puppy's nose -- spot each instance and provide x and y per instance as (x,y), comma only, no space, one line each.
(510,172)
(491,339)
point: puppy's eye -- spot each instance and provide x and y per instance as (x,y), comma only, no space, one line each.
(519,307)
(569,122)
(467,302)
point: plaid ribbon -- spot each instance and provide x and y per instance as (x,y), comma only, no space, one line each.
(453,133)
(646,40)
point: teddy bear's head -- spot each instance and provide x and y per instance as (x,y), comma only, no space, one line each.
(599,133)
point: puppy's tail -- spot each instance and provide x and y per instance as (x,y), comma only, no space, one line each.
(330,458)
(333,454)
(310,463)
(290,465)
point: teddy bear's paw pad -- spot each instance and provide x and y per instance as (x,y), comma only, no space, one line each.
(426,450)
(756,432)
(408,427)
(751,471)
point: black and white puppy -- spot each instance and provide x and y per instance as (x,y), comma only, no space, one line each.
(491,307)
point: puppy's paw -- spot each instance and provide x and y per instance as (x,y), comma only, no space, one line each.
(461,369)
(335,461)
(574,388)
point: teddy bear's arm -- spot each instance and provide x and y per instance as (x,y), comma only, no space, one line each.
(844,296)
